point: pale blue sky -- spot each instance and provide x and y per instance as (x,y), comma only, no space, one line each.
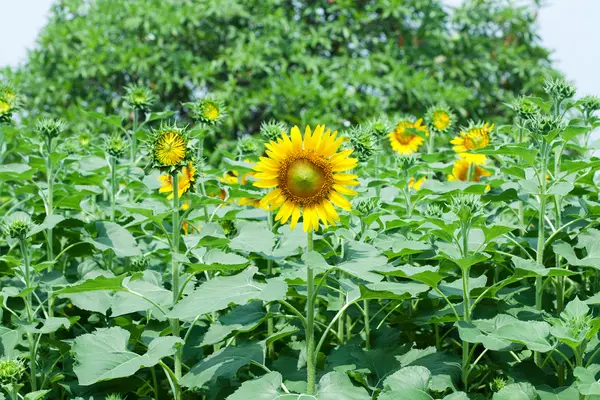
(569,27)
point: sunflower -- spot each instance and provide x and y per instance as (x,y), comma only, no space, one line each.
(416,184)
(472,138)
(170,148)
(233,178)
(186,177)
(463,168)
(306,173)
(405,139)
(208,111)
(440,119)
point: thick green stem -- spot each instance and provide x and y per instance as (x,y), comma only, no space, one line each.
(541,237)
(367,325)
(270,322)
(133,148)
(311,370)
(431,147)
(113,186)
(30,317)
(466,305)
(175,277)
(50,199)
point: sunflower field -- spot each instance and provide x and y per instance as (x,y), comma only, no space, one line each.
(411,254)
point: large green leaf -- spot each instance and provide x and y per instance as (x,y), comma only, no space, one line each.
(267,387)
(337,386)
(253,237)
(114,237)
(103,355)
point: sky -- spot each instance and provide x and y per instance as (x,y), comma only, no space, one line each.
(569,27)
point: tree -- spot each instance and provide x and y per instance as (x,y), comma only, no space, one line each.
(335,62)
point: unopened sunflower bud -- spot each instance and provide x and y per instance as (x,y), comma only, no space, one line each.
(434,211)
(440,119)
(113,396)
(364,142)
(7,108)
(208,111)
(543,124)
(380,126)
(272,130)
(525,108)
(84,139)
(18,225)
(466,206)
(406,161)
(138,97)
(139,263)
(50,128)
(590,104)
(11,370)
(366,206)
(115,146)
(497,384)
(558,89)
(248,145)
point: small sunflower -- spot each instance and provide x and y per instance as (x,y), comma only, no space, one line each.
(209,111)
(139,97)
(185,178)
(463,168)
(440,119)
(8,105)
(170,148)
(406,138)
(307,175)
(416,183)
(472,138)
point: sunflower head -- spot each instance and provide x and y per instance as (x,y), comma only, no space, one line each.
(209,111)
(473,137)
(170,148)
(434,210)
(559,89)
(467,171)
(8,105)
(115,146)
(498,383)
(272,130)
(11,370)
(380,126)
(525,108)
(364,141)
(50,128)
(139,97)
(185,181)
(307,175)
(590,104)
(440,119)
(408,136)
(18,225)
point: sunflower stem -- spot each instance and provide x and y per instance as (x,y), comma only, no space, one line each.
(431,147)
(30,316)
(367,324)
(270,322)
(113,186)
(311,371)
(541,236)
(50,199)
(175,277)
(133,149)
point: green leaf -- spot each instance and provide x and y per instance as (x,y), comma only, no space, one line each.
(115,237)
(532,334)
(561,393)
(517,391)
(240,319)
(253,237)
(426,274)
(103,355)
(267,387)
(218,260)
(408,382)
(361,259)
(217,294)
(97,283)
(37,395)
(337,386)
(223,363)
(392,290)
(150,286)
(9,339)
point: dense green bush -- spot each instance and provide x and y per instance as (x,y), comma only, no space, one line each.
(298,61)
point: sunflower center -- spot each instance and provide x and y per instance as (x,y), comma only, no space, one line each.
(212,112)
(476,140)
(441,120)
(4,106)
(304,178)
(404,137)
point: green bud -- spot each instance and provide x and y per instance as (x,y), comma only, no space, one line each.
(18,225)
(558,89)
(590,104)
(380,126)
(440,119)
(113,396)
(209,111)
(406,161)
(466,206)
(434,211)
(115,146)
(139,263)
(50,128)
(525,108)
(497,384)
(11,370)
(138,97)
(366,206)
(543,124)
(364,142)
(272,130)
(248,144)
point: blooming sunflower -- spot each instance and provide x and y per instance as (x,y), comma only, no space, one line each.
(462,169)
(406,139)
(440,119)
(185,178)
(306,173)
(416,184)
(170,148)
(472,138)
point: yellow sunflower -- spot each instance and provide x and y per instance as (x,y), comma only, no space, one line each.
(404,140)
(185,178)
(474,137)
(416,184)
(170,148)
(307,175)
(463,168)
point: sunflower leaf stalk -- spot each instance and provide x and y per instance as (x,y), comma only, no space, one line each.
(175,273)
(311,370)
